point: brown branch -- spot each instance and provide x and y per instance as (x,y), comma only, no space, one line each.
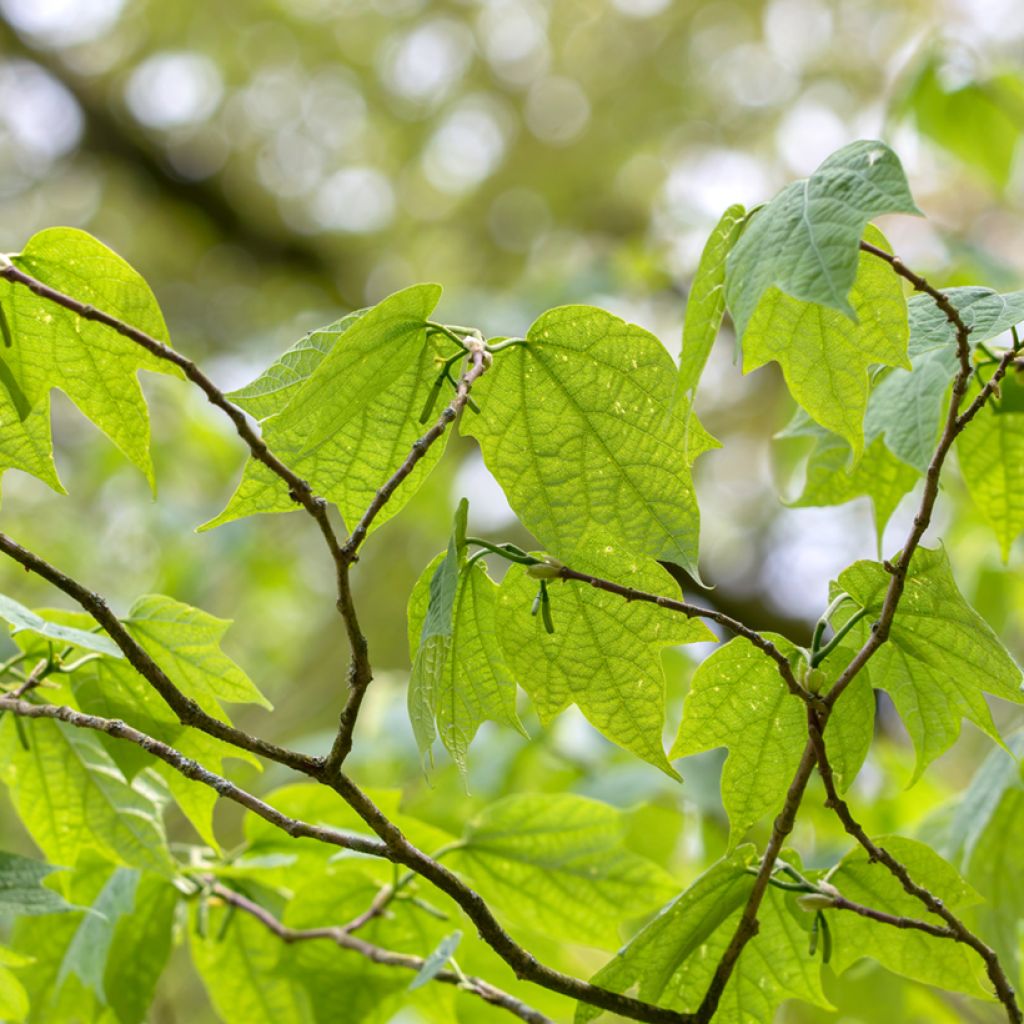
(692,611)
(343,938)
(192,770)
(360,674)
(187,710)
(892,920)
(956,929)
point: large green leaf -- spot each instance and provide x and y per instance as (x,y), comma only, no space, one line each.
(941,656)
(22,891)
(352,421)
(71,797)
(185,643)
(604,655)
(737,699)
(578,424)
(831,479)
(991,454)
(805,242)
(21,618)
(911,953)
(706,302)
(556,864)
(92,364)
(237,961)
(460,678)
(824,354)
(673,959)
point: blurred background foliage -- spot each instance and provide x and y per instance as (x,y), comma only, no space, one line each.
(269,165)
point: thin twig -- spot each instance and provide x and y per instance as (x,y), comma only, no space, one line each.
(892,920)
(360,673)
(343,938)
(192,770)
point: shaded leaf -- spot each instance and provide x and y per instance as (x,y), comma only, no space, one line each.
(21,890)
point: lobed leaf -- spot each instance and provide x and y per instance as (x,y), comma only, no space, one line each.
(805,242)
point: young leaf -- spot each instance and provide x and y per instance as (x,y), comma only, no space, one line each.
(21,618)
(239,970)
(579,428)
(706,302)
(556,864)
(434,964)
(21,890)
(991,454)
(674,957)
(352,422)
(806,240)
(86,955)
(604,655)
(824,354)
(185,643)
(879,475)
(71,797)
(472,683)
(92,364)
(913,954)
(737,699)
(940,656)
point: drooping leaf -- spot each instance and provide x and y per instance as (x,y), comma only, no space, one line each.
(86,955)
(185,643)
(92,364)
(21,890)
(352,422)
(738,699)
(71,797)
(673,959)
(878,475)
(239,971)
(991,455)
(556,864)
(470,680)
(21,618)
(941,656)
(274,388)
(706,302)
(805,242)
(912,953)
(824,354)
(604,653)
(579,428)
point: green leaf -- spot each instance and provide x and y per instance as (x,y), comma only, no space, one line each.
(806,241)
(557,864)
(27,444)
(879,475)
(706,302)
(991,455)
(92,364)
(86,955)
(673,959)
(824,354)
(979,122)
(185,643)
(985,312)
(940,658)
(469,681)
(21,890)
(275,387)
(579,427)
(13,997)
(910,953)
(239,971)
(851,726)
(21,618)
(738,700)
(352,422)
(604,655)
(71,797)
(434,964)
